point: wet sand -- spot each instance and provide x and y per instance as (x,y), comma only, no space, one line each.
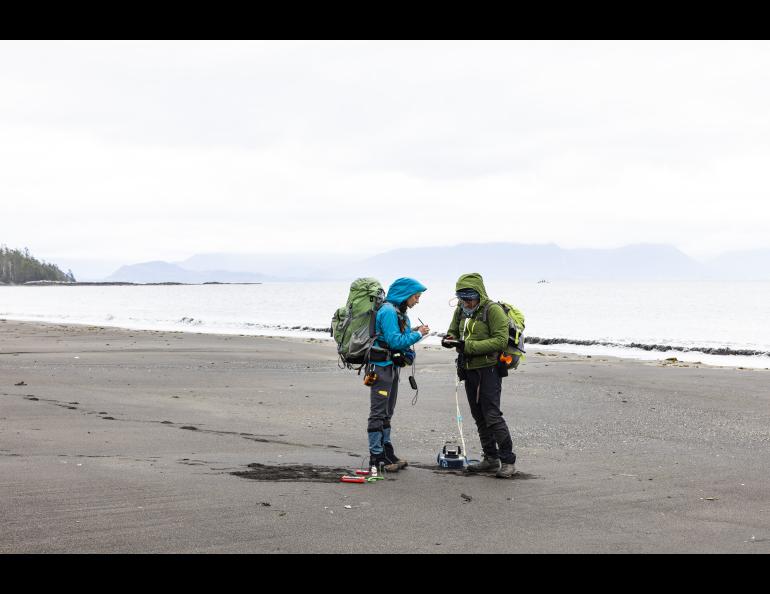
(133,441)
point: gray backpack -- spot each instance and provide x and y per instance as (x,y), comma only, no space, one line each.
(353,326)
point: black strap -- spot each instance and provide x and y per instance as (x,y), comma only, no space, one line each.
(373,328)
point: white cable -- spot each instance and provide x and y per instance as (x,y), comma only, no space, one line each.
(459,416)
(457,400)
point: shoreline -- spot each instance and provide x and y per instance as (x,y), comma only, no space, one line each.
(595,350)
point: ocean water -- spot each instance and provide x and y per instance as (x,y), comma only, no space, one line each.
(598,318)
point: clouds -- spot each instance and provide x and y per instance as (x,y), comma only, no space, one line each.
(164,149)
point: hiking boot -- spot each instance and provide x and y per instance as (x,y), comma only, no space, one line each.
(486,465)
(506,471)
(379,461)
(392,458)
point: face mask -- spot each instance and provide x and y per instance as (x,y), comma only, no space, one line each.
(466,310)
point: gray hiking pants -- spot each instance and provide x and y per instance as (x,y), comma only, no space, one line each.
(382,404)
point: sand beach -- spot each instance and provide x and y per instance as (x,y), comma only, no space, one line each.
(127,441)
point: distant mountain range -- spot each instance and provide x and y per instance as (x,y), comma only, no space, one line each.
(286,266)
(507,261)
(164,272)
(499,261)
(750,265)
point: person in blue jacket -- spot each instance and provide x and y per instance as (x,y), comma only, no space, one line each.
(394,334)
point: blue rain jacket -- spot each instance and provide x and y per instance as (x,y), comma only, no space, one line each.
(387,317)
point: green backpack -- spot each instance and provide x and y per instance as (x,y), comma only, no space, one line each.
(515,347)
(353,326)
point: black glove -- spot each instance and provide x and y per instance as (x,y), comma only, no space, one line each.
(453,343)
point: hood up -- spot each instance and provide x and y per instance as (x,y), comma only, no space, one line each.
(402,289)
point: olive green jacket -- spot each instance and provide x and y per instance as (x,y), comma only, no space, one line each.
(484,341)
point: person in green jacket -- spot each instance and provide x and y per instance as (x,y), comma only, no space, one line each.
(480,342)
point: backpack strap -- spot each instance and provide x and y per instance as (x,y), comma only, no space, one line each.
(486,310)
(401,320)
(373,327)
(373,323)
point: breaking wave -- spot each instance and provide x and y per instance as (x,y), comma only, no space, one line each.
(298,328)
(664,348)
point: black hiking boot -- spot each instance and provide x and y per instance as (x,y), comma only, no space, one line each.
(390,454)
(486,465)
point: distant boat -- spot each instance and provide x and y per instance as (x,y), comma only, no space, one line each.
(543,281)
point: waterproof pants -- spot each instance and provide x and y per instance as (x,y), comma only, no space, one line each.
(383,395)
(483,388)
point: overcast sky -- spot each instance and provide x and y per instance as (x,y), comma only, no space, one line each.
(135,151)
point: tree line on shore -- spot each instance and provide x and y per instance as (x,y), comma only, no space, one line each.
(18,267)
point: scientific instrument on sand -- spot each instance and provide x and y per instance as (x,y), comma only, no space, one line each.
(451,456)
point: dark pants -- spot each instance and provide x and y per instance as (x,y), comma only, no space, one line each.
(382,400)
(483,387)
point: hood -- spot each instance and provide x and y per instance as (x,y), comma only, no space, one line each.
(402,289)
(472,281)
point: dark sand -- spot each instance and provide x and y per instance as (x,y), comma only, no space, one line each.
(130,441)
